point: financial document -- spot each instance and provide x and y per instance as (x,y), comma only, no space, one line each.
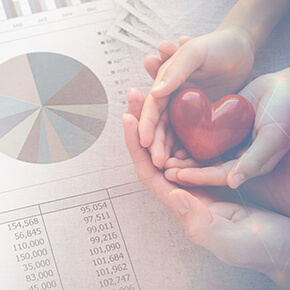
(73,215)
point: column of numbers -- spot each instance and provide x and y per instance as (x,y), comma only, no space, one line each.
(107,251)
(32,254)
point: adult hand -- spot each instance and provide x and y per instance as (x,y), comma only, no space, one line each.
(249,237)
(269,95)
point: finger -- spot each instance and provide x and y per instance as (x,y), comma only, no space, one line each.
(183,39)
(153,108)
(181,163)
(170,76)
(181,154)
(152,64)
(160,157)
(151,112)
(135,102)
(157,148)
(193,215)
(166,49)
(152,178)
(138,154)
(178,68)
(171,175)
(263,155)
(207,176)
(169,144)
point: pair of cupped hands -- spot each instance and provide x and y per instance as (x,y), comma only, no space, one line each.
(247,225)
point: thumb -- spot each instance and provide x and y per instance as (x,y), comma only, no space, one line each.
(183,39)
(178,68)
(213,231)
(192,213)
(266,151)
(166,49)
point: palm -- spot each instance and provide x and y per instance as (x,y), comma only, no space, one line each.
(269,95)
(251,233)
(271,190)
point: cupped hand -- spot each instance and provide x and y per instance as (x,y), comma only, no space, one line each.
(218,63)
(269,95)
(250,237)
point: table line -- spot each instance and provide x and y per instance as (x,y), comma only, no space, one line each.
(66,208)
(126,248)
(65,178)
(50,246)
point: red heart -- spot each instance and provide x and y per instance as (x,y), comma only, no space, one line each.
(208,130)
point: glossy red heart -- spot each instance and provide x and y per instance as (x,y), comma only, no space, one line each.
(208,130)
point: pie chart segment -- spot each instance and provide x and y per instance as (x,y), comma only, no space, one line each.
(16,80)
(8,123)
(12,143)
(43,153)
(57,151)
(65,116)
(46,71)
(68,132)
(91,125)
(29,151)
(11,106)
(84,89)
(99,111)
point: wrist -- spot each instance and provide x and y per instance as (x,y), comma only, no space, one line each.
(285,72)
(256,18)
(281,278)
(279,268)
(245,37)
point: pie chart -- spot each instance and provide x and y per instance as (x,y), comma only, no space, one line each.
(53,108)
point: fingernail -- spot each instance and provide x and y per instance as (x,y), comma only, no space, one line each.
(238,179)
(181,204)
(159,86)
(129,89)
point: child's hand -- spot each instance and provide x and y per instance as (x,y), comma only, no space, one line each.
(218,63)
(269,95)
